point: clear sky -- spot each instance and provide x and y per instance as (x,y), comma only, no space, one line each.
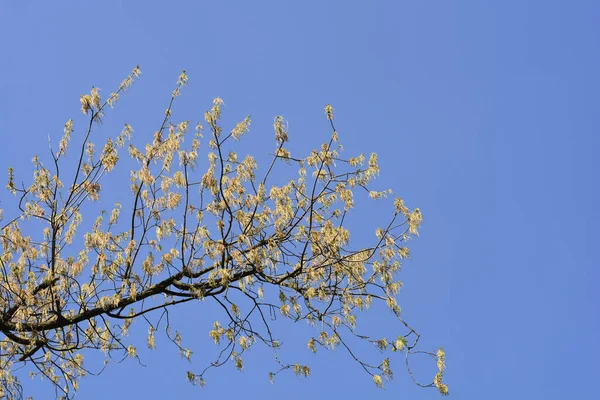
(484,114)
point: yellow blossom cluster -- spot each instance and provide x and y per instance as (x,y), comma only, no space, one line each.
(224,234)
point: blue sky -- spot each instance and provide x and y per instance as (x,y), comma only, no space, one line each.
(484,114)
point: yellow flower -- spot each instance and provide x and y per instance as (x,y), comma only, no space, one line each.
(378,381)
(131,351)
(329,112)
(86,103)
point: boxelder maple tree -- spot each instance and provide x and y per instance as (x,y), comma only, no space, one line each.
(224,234)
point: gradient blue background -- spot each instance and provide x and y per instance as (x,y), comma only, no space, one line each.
(484,114)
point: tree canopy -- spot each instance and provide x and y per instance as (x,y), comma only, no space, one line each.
(225,234)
